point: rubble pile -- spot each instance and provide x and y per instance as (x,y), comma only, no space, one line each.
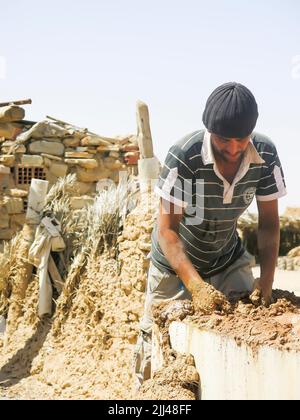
(49,150)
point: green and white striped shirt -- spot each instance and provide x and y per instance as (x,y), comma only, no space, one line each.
(190,179)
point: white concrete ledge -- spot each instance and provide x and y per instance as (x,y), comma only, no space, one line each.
(231,372)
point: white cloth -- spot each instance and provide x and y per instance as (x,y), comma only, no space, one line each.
(47,238)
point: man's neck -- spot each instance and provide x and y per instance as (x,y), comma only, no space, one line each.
(228,169)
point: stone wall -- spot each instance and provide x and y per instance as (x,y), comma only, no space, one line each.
(52,149)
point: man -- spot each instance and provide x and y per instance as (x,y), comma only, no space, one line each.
(209,179)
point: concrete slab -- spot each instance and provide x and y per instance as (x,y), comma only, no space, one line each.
(234,372)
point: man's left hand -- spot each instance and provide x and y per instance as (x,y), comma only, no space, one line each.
(262,293)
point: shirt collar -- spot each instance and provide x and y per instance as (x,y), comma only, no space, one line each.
(251,154)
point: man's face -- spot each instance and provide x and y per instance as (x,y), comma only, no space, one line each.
(229,150)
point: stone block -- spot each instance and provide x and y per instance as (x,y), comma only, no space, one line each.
(14,205)
(92,175)
(17,193)
(52,157)
(58,169)
(32,160)
(108,148)
(51,148)
(17,221)
(115,155)
(82,149)
(83,163)
(6,234)
(83,188)
(7,147)
(7,160)
(71,142)
(96,141)
(76,155)
(4,218)
(112,164)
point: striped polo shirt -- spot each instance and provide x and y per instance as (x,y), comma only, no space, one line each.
(190,179)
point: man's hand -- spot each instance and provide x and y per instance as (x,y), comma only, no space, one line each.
(206,299)
(262,293)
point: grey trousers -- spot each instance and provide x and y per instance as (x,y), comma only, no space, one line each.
(163,287)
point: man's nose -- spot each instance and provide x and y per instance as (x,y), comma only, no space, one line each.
(233,147)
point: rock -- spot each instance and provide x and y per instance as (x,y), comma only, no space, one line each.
(82,149)
(76,155)
(71,142)
(7,160)
(7,147)
(52,148)
(6,234)
(92,151)
(144,246)
(46,129)
(51,178)
(83,188)
(32,160)
(130,148)
(80,202)
(83,163)
(4,218)
(57,158)
(11,113)
(112,164)
(17,193)
(96,141)
(10,130)
(115,155)
(17,221)
(108,148)
(13,205)
(58,169)
(92,175)
(47,162)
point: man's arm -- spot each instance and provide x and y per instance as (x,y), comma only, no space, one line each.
(169,220)
(205,297)
(268,245)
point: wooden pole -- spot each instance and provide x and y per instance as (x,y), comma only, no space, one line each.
(144,131)
(23,102)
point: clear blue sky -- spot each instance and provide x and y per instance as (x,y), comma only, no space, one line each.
(88,62)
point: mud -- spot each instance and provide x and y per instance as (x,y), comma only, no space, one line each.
(277,326)
(90,355)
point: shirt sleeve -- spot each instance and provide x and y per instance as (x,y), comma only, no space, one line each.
(175,183)
(272,184)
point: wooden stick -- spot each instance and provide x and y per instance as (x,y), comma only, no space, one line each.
(144,131)
(55,275)
(23,102)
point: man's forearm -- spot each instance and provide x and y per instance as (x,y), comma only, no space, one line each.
(174,252)
(268,247)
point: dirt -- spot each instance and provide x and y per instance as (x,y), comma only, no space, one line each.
(177,380)
(206,299)
(89,355)
(277,326)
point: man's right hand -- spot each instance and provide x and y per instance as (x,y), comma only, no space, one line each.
(206,299)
